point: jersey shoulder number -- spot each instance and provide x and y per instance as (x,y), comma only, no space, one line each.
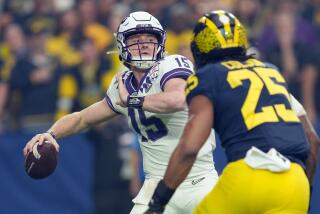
(174,66)
(192,83)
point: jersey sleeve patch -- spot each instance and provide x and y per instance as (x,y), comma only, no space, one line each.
(175,73)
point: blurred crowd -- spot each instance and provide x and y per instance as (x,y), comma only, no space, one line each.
(53,54)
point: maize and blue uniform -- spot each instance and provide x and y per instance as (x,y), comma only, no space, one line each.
(252,108)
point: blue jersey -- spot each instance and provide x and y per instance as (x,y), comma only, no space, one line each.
(251,108)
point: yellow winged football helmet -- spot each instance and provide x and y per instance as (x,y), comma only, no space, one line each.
(217,33)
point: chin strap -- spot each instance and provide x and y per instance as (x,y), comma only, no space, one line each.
(143,65)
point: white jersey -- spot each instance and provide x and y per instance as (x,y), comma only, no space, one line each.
(160,132)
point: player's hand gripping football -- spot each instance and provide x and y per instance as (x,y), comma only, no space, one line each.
(123,93)
(40,139)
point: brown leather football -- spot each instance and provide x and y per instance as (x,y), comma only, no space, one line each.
(42,161)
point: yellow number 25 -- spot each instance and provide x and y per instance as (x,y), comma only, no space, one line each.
(259,78)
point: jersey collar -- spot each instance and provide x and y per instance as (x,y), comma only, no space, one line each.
(144,85)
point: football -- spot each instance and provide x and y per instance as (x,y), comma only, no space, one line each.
(42,161)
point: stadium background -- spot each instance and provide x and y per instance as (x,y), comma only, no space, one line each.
(53,61)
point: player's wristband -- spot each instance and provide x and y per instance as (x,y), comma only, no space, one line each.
(161,197)
(52,134)
(135,101)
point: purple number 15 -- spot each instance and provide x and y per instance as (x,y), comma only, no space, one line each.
(152,134)
(182,62)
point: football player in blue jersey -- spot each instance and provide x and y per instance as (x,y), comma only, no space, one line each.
(247,102)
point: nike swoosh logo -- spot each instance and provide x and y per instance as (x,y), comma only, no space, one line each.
(194,182)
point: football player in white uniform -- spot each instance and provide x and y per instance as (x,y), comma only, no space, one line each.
(150,93)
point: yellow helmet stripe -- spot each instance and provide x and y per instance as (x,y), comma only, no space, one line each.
(227,27)
(214,28)
(236,32)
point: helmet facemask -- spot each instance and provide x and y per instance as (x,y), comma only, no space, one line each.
(144,54)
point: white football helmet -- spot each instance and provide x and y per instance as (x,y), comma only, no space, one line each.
(136,23)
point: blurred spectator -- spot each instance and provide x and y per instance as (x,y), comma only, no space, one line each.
(311,78)
(105,10)
(11,50)
(159,9)
(201,7)
(5,20)
(18,10)
(286,42)
(310,93)
(91,28)
(311,12)
(3,94)
(179,29)
(82,85)
(7,61)
(250,14)
(15,41)
(119,11)
(42,18)
(31,81)
(63,5)
(67,40)
(3,98)
(183,47)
